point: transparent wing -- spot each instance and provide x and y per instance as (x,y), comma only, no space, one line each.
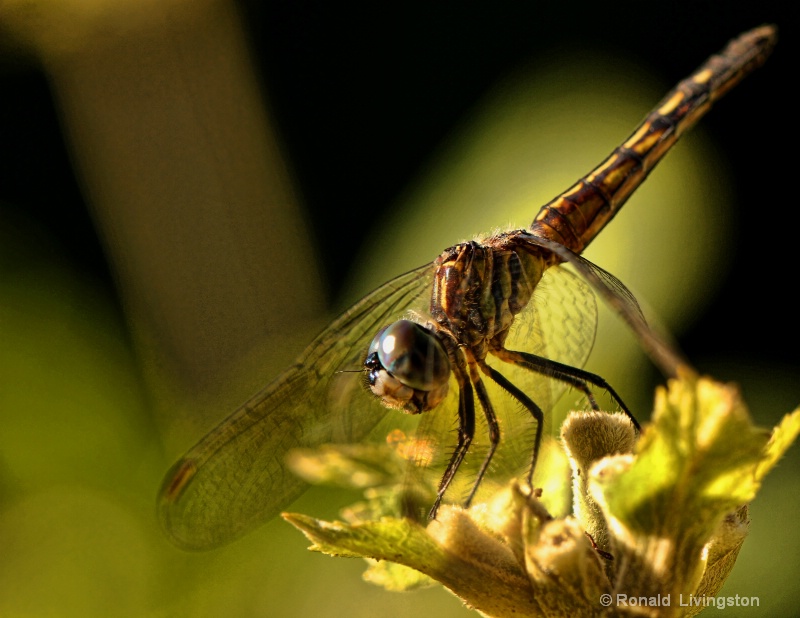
(235,478)
(620,299)
(559,324)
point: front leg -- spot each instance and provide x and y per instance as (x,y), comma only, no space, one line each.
(466,429)
(491,422)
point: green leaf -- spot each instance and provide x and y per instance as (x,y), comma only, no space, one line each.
(694,466)
(782,438)
(698,457)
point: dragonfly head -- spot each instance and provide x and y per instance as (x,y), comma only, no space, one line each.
(407,367)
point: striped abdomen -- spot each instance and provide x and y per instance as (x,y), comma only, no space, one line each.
(576,216)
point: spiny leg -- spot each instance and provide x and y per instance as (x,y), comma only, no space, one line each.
(466,430)
(550,369)
(578,378)
(493,425)
(529,405)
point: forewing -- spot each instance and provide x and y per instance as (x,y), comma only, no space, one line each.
(235,478)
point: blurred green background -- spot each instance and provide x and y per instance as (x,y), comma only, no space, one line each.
(188,191)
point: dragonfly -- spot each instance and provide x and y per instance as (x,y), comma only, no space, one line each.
(441,341)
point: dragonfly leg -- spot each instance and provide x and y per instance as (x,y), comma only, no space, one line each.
(529,405)
(573,376)
(466,429)
(494,430)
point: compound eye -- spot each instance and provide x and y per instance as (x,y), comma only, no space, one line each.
(412,354)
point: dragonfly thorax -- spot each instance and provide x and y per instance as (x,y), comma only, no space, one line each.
(407,367)
(480,287)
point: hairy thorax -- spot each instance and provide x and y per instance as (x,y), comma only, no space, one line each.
(479,288)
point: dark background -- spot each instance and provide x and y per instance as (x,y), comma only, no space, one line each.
(361,97)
